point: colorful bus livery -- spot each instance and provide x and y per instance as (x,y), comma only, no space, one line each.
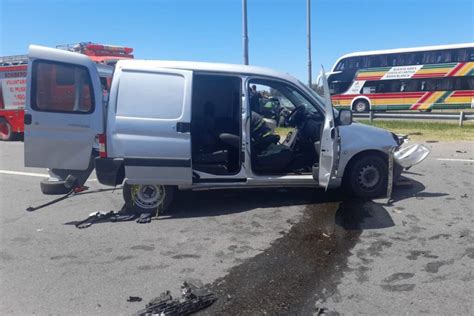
(417,71)
(417,78)
(416,87)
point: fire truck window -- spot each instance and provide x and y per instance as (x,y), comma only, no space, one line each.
(61,88)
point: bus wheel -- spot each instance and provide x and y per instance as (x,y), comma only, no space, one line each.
(6,132)
(361,106)
(150,198)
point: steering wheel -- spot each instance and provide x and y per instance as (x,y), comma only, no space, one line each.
(296,116)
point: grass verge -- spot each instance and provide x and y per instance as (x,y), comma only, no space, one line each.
(418,130)
(423,130)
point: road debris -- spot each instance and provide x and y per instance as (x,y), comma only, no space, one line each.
(461,151)
(113,216)
(464,196)
(404,183)
(192,300)
(134,299)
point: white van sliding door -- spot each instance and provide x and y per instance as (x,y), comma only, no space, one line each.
(152,124)
(63,111)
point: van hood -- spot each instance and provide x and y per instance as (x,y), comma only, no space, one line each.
(358,137)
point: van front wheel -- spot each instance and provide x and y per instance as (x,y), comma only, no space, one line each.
(368,177)
(147,198)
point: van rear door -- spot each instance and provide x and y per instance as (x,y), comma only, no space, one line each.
(64,109)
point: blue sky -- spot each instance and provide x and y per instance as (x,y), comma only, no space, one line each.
(210,30)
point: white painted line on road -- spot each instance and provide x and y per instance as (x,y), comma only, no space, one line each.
(31,174)
(455,159)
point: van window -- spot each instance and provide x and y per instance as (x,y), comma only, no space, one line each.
(60,87)
(150,95)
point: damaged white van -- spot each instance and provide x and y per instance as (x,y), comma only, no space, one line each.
(168,126)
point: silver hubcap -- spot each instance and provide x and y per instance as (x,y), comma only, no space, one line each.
(360,107)
(369,177)
(148,196)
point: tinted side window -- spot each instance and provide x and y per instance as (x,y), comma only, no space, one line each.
(59,87)
(150,95)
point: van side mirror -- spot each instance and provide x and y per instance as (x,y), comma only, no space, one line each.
(345,117)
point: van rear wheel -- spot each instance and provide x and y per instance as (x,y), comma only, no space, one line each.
(148,198)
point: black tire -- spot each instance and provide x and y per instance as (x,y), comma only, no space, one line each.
(133,201)
(6,131)
(360,106)
(53,187)
(367,177)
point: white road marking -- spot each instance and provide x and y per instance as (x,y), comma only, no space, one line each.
(455,159)
(31,174)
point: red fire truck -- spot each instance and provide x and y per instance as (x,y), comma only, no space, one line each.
(13,82)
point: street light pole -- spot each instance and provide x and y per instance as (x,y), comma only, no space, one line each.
(308,34)
(245,38)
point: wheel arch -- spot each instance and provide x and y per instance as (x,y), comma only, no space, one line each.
(359,155)
(361,98)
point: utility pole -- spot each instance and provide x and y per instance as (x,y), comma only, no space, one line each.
(245,37)
(308,34)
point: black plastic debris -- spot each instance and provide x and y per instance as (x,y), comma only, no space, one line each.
(192,300)
(134,299)
(144,218)
(113,216)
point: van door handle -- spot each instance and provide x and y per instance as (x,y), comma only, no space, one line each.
(183,127)
(28,119)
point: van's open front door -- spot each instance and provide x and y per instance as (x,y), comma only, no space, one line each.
(64,109)
(329,139)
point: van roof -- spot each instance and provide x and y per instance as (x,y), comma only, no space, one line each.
(208,67)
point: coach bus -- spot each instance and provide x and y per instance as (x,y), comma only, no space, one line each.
(423,78)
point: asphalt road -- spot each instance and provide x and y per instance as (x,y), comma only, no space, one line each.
(273,251)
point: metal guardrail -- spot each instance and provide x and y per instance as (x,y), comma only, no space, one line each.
(460,117)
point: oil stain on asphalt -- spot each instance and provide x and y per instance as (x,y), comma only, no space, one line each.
(303,266)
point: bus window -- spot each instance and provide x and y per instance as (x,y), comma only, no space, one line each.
(374,61)
(369,87)
(403,86)
(462,55)
(395,86)
(471,54)
(447,56)
(383,60)
(354,63)
(341,65)
(469,83)
(429,57)
(337,87)
(413,85)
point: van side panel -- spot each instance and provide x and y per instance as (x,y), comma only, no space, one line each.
(148,114)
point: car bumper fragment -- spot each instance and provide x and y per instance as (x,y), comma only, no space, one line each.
(411,155)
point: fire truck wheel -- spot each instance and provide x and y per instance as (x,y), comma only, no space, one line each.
(150,198)
(53,187)
(6,132)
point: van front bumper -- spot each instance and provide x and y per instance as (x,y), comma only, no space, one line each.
(409,156)
(110,171)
